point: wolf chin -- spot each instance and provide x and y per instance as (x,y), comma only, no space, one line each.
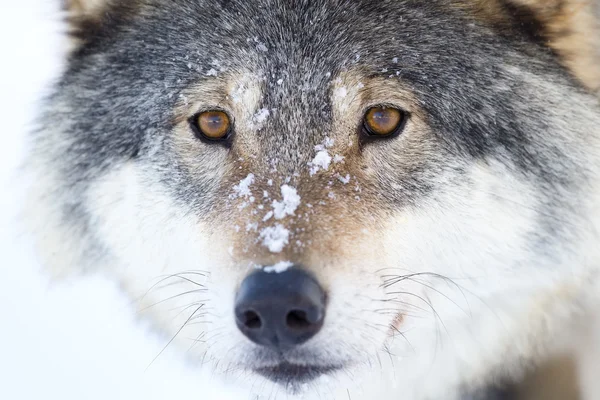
(392,199)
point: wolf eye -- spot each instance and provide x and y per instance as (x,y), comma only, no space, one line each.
(212,125)
(383,121)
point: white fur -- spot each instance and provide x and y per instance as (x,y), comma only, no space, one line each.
(488,319)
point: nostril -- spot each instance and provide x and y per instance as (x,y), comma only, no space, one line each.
(252,320)
(297,319)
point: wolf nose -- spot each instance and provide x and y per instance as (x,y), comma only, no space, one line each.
(280,310)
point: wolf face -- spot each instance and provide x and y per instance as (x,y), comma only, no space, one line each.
(377,192)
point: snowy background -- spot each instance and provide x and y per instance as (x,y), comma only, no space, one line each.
(79,339)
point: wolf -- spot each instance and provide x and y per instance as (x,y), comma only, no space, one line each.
(340,199)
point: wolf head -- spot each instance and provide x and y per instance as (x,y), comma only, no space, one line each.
(295,189)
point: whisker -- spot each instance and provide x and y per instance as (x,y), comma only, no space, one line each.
(166,277)
(426,302)
(174,336)
(173,297)
(442,294)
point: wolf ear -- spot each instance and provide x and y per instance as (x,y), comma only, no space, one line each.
(79,10)
(86,17)
(569,27)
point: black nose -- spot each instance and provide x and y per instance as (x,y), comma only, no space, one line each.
(280,310)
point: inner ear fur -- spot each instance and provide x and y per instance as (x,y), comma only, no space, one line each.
(88,19)
(571,28)
(84,18)
(79,11)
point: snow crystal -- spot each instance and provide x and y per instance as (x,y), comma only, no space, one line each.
(289,204)
(279,81)
(278,268)
(260,117)
(211,72)
(238,94)
(270,182)
(340,92)
(217,64)
(275,238)
(344,179)
(395,60)
(338,159)
(325,144)
(321,161)
(243,189)
(260,45)
(268,216)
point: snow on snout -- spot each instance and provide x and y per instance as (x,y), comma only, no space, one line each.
(288,205)
(322,159)
(275,238)
(243,188)
(278,268)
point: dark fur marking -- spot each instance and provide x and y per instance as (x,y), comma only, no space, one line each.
(526,22)
(491,393)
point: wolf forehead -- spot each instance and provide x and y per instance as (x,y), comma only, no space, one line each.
(136,65)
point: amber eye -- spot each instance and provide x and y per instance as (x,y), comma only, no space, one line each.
(212,125)
(383,121)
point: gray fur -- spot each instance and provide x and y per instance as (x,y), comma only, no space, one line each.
(498,99)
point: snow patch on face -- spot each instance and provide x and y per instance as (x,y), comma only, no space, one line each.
(288,205)
(344,179)
(260,117)
(259,45)
(278,268)
(243,188)
(238,94)
(338,159)
(340,92)
(268,216)
(262,47)
(275,238)
(322,159)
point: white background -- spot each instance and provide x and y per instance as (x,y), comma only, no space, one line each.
(78,339)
